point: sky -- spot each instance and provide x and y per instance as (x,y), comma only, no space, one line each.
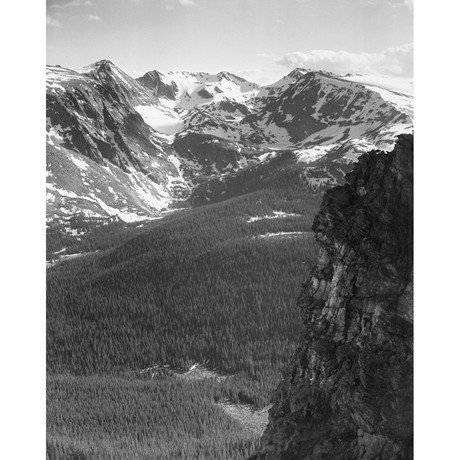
(261,40)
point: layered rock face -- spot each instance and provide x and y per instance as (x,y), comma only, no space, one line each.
(348,391)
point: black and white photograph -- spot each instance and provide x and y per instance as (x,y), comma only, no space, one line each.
(229,230)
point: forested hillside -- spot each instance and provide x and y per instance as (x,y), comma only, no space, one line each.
(102,418)
(214,285)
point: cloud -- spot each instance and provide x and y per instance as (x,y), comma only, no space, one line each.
(169,4)
(93,17)
(393,61)
(72,3)
(52,22)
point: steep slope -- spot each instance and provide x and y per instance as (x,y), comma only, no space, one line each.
(102,158)
(154,81)
(397,90)
(347,393)
(118,84)
(307,108)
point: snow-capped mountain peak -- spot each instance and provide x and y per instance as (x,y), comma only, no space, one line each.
(297,73)
(191,89)
(101,64)
(161,85)
(131,147)
(108,74)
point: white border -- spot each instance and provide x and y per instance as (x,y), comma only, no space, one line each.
(22,336)
(437,186)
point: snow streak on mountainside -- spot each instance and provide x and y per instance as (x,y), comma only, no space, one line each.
(119,146)
(102,159)
(397,90)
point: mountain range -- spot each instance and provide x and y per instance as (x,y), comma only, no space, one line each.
(131,149)
(181,222)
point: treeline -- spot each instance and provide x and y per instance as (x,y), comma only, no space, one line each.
(104,418)
(100,237)
(282,172)
(95,234)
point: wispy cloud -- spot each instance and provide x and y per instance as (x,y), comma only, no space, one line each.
(93,17)
(409,4)
(72,3)
(170,4)
(393,61)
(52,22)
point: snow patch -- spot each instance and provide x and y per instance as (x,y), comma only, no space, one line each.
(313,154)
(253,420)
(123,215)
(283,234)
(277,215)
(161,119)
(267,156)
(79,163)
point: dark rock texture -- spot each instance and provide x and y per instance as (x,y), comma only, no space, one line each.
(211,155)
(205,94)
(348,391)
(153,80)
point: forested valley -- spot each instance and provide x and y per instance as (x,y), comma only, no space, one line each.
(215,285)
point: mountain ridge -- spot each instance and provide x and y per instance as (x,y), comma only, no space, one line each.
(146,138)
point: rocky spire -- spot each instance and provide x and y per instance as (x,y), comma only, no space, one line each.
(348,391)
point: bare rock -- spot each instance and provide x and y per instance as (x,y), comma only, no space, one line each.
(348,392)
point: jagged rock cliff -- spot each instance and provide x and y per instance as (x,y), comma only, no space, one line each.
(348,391)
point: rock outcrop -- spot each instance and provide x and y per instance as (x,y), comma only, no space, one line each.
(154,81)
(348,392)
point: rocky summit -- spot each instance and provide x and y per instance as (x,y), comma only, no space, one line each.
(347,393)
